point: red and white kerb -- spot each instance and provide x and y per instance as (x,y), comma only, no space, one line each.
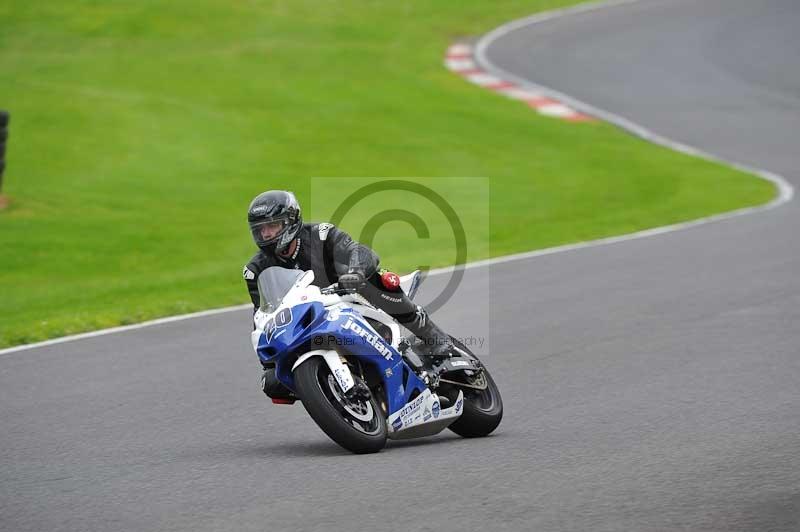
(460,60)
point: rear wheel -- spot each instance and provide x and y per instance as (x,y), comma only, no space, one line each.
(483,409)
(483,406)
(356,424)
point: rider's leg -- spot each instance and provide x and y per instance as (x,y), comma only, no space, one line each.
(272,387)
(413,317)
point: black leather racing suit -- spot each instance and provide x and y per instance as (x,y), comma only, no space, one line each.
(331,252)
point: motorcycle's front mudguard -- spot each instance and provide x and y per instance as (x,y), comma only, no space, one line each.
(338,368)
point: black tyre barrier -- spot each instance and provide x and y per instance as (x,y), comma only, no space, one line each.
(4,119)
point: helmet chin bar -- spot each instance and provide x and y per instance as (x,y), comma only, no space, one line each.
(275,247)
(283,246)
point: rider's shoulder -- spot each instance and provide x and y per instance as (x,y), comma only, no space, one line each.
(320,230)
(256,265)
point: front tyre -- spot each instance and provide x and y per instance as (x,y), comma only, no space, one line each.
(483,409)
(358,425)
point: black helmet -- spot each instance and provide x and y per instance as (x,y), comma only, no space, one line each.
(274,206)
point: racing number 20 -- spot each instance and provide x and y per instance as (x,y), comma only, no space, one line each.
(281,319)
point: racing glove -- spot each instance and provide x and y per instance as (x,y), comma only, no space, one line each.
(351,281)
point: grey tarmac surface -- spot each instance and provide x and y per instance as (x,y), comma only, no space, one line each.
(649,385)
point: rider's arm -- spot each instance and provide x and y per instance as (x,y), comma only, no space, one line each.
(348,255)
(250,277)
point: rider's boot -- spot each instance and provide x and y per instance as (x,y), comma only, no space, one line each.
(274,389)
(437,342)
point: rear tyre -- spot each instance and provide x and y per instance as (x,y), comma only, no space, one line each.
(483,410)
(358,425)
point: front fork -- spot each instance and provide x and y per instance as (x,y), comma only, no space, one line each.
(339,369)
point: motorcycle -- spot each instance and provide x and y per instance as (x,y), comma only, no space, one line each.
(358,378)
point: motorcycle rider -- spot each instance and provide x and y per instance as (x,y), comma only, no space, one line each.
(277,227)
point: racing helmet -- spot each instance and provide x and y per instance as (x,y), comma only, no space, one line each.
(271,207)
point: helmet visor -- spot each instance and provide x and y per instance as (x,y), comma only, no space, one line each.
(266,232)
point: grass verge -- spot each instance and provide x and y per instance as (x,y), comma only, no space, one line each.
(140,131)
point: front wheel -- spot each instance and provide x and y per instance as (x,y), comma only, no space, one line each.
(358,425)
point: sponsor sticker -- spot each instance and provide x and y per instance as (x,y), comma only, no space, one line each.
(435,409)
(390,280)
(323,230)
(412,407)
(372,339)
(459,404)
(459,363)
(397,423)
(339,374)
(297,251)
(248,274)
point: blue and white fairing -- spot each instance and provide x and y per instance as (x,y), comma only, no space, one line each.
(302,326)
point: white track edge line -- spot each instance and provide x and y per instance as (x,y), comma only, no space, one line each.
(123,328)
(785,189)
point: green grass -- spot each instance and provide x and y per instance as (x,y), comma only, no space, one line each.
(140,131)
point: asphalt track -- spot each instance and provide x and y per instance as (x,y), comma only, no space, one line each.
(652,384)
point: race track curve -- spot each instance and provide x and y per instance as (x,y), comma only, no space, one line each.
(652,384)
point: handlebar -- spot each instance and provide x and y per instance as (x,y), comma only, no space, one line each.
(335,290)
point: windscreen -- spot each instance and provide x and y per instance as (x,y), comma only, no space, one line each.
(273,284)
